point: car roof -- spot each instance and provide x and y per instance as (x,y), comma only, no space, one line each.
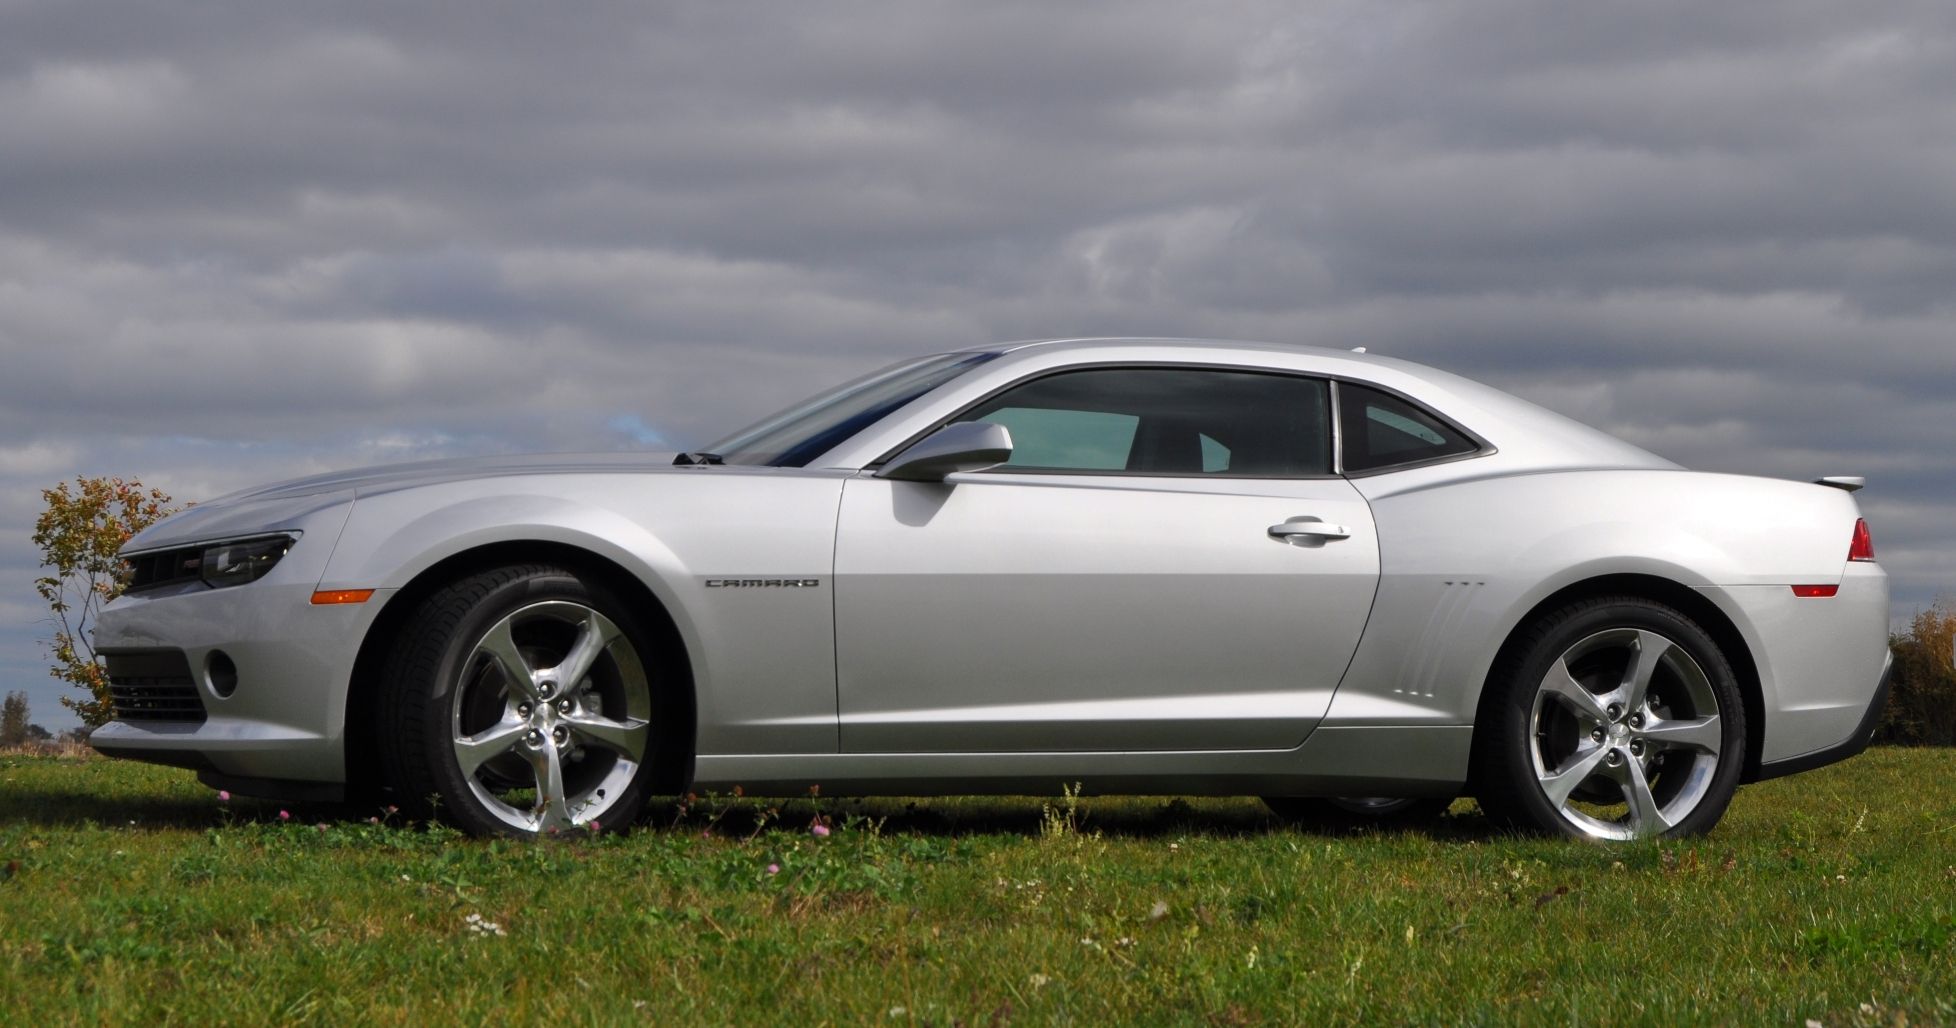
(1533,436)
(1112,342)
(1349,357)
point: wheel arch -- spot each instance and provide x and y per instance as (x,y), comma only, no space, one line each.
(362,731)
(1686,600)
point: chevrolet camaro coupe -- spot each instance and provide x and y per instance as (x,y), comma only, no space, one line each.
(1352,585)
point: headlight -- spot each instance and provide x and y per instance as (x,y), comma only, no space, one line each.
(216,565)
(244,561)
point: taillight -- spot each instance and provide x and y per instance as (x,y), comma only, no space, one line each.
(1862,548)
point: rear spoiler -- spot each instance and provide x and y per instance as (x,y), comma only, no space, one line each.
(1851,483)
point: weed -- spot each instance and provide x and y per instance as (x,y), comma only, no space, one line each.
(1063,821)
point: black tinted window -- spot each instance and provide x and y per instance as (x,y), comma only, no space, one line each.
(1166,421)
(1380,430)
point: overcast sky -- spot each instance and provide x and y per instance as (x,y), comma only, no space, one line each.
(246,241)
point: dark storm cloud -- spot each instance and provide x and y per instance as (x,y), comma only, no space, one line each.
(242,241)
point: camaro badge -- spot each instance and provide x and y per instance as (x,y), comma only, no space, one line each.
(762,583)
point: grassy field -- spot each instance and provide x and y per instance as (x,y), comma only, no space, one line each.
(130,893)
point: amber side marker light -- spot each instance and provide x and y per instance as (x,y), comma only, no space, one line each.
(330,596)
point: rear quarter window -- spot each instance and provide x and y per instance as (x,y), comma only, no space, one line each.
(1379,430)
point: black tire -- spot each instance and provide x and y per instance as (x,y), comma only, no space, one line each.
(1635,753)
(1356,813)
(448,697)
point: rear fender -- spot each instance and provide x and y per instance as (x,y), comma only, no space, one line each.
(1463,565)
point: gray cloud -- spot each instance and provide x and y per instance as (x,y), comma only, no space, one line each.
(240,241)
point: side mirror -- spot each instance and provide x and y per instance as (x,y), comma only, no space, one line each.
(961,446)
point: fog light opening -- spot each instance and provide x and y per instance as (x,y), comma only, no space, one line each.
(221,673)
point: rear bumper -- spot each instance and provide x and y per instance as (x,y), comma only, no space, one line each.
(1818,659)
(1855,742)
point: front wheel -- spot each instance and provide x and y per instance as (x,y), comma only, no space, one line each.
(1616,718)
(521,701)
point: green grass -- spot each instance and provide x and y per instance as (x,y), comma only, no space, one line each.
(129,893)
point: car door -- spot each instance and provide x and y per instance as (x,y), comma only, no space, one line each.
(1165,563)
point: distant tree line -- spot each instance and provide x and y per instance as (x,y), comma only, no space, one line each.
(1922,694)
(15,728)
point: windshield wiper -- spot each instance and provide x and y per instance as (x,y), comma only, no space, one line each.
(697,457)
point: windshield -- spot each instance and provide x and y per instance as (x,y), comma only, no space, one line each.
(805,431)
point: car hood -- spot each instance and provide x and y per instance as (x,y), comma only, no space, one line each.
(296,504)
(388,477)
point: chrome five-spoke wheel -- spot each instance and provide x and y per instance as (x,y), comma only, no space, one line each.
(523,700)
(1612,719)
(552,716)
(1626,734)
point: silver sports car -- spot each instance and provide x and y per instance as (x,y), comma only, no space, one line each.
(1355,586)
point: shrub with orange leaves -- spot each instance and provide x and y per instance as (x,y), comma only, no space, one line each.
(79,534)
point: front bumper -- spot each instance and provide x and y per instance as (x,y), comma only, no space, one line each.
(282,714)
(285,717)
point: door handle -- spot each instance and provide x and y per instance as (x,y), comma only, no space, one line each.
(1306,530)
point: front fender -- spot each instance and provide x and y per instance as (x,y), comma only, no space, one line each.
(763,659)
(390,540)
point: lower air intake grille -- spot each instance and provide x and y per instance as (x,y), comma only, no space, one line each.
(153,685)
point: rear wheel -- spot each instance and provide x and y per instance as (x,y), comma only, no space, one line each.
(1616,718)
(520,701)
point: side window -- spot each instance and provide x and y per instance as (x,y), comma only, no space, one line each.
(1215,456)
(1379,430)
(1166,421)
(1084,439)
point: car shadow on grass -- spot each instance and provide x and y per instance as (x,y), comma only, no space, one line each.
(55,807)
(1110,817)
(76,793)
(65,808)
(69,801)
